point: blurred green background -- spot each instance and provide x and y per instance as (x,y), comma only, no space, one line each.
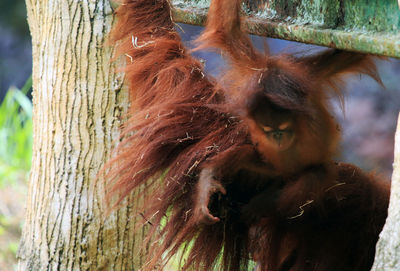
(368,123)
(15,125)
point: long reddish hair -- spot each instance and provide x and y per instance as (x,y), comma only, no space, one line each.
(181,120)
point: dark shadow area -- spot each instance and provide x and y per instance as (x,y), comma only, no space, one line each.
(15,46)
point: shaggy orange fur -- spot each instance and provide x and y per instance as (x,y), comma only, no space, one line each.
(241,168)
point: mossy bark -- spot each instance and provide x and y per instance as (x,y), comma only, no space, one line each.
(358,25)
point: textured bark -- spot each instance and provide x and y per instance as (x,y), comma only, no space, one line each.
(387,256)
(78,103)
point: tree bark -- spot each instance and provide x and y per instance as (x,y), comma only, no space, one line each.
(78,106)
(387,256)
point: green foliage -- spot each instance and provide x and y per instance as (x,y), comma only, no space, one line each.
(179,260)
(15,134)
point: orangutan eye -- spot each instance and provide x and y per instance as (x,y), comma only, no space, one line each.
(285,126)
(282,136)
(282,127)
(267,129)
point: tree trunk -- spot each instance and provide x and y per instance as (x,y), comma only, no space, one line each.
(78,103)
(387,256)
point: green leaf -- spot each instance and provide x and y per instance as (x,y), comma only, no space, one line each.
(27,86)
(24,102)
(15,134)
